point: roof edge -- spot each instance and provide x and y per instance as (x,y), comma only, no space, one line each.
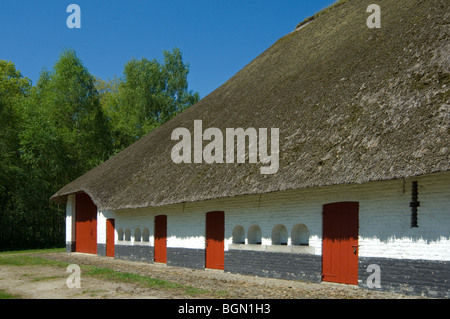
(318,14)
(62,198)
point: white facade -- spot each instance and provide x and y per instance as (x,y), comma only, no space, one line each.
(384,219)
(70,219)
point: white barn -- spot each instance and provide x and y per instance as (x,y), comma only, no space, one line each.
(362,184)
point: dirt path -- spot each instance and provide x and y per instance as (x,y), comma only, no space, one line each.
(49,282)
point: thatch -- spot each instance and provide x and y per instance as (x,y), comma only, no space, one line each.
(353,105)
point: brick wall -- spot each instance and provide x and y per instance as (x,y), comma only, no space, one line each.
(303,267)
(408,276)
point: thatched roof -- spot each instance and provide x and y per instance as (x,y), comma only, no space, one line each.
(353,105)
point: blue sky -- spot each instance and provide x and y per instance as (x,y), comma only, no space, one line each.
(217,38)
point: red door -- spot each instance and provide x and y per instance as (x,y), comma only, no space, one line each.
(85,224)
(161,239)
(215,233)
(110,237)
(340,242)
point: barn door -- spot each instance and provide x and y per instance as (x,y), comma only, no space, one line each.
(110,237)
(340,243)
(161,239)
(215,233)
(85,224)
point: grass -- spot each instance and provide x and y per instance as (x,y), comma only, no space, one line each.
(46,278)
(27,259)
(6,295)
(34,251)
(113,275)
(95,292)
(143,281)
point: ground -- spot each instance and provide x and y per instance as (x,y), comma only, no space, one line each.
(49,281)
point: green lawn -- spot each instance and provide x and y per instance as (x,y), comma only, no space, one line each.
(27,258)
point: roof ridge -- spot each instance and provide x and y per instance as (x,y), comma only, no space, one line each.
(318,14)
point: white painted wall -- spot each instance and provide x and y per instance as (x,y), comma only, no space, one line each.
(70,218)
(102,216)
(384,217)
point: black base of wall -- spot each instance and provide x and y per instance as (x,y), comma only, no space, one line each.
(70,246)
(407,276)
(101,250)
(134,253)
(304,267)
(184,257)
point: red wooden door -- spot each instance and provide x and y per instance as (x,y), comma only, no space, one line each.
(340,242)
(85,224)
(215,233)
(110,237)
(161,239)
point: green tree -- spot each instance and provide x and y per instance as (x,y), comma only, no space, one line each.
(13,87)
(63,134)
(68,123)
(149,94)
(65,130)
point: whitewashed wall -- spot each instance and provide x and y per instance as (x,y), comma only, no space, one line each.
(384,217)
(70,219)
(102,216)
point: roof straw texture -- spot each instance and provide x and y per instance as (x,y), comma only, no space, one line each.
(352,104)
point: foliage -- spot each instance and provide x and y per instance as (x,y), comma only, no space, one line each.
(63,116)
(68,123)
(12,87)
(149,94)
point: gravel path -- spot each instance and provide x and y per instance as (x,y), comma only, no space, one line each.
(21,280)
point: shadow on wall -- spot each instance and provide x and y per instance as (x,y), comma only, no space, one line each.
(280,236)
